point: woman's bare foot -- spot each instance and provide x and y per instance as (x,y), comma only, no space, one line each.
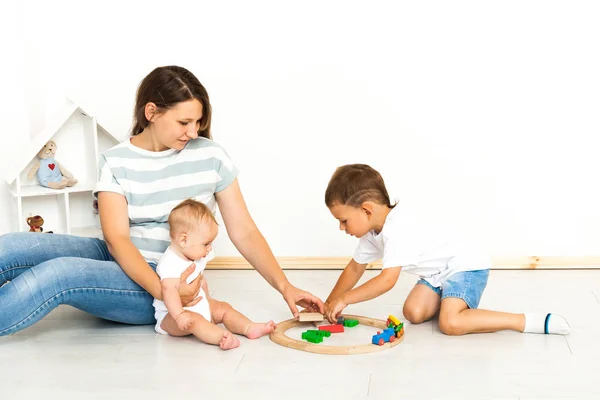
(257,330)
(229,341)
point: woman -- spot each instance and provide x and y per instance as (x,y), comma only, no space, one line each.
(169,157)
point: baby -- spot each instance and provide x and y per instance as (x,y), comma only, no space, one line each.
(193,229)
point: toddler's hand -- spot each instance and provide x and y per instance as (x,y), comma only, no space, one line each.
(335,309)
(184,320)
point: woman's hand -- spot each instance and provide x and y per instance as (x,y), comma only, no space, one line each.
(189,292)
(246,237)
(294,296)
(335,309)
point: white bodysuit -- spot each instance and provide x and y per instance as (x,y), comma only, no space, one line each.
(172,266)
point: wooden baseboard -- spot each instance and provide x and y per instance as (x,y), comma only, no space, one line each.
(499,262)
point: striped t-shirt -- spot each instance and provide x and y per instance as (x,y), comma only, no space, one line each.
(155,182)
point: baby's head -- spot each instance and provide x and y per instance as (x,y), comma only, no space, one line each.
(192,228)
(355,193)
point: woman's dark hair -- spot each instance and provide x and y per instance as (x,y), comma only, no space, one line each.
(165,87)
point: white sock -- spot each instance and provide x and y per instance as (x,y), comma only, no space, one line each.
(546,323)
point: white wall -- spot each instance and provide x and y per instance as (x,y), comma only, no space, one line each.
(481,114)
(14,123)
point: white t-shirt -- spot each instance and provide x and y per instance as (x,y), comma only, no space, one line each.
(172,265)
(404,242)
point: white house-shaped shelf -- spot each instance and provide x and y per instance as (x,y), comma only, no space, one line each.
(80,140)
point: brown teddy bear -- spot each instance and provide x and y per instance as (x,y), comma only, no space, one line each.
(49,171)
(35,223)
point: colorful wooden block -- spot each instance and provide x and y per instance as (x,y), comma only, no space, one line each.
(314,339)
(309,317)
(393,319)
(318,332)
(337,328)
(350,323)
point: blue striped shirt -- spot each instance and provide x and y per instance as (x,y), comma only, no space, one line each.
(153,183)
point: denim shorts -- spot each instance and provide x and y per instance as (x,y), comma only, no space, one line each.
(467,286)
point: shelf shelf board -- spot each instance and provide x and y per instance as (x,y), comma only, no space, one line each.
(35,190)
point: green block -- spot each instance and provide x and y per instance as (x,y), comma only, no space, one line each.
(314,339)
(350,323)
(319,332)
(307,334)
(314,334)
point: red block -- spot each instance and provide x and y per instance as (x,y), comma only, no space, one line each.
(337,328)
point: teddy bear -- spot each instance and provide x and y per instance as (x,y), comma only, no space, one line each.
(49,171)
(35,224)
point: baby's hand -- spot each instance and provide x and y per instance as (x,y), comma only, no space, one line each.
(184,320)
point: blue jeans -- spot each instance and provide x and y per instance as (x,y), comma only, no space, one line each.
(46,270)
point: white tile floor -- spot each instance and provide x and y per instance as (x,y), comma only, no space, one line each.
(72,355)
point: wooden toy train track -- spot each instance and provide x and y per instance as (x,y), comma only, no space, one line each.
(278,336)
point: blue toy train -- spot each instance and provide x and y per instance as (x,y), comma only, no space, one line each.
(394,330)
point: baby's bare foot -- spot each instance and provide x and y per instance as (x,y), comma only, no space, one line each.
(257,330)
(229,341)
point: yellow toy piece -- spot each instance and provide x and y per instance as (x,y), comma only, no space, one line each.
(393,319)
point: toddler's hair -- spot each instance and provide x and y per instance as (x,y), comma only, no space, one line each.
(188,215)
(354,184)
